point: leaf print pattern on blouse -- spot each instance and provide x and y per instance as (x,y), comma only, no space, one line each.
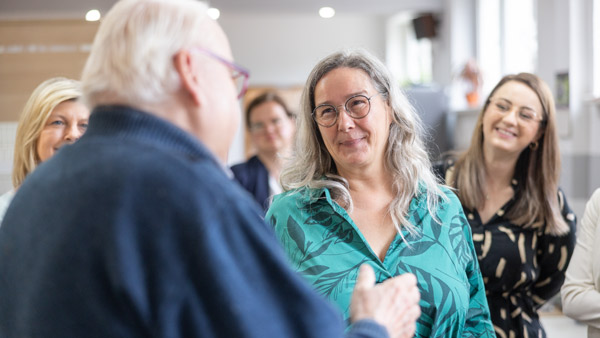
(329,284)
(327,248)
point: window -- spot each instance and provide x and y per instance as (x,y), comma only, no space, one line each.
(408,58)
(507,38)
(596,49)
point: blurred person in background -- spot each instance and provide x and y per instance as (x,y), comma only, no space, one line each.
(271,126)
(52,117)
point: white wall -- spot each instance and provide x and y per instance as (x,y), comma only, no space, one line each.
(565,44)
(8,132)
(282,49)
(460,28)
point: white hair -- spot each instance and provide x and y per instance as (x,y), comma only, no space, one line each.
(406,158)
(131,60)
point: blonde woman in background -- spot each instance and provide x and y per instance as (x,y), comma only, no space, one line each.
(52,117)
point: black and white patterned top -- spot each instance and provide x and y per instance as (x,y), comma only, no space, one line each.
(521,268)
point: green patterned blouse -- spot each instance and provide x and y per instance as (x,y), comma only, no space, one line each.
(327,248)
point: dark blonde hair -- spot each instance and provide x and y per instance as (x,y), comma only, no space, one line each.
(267,97)
(36,112)
(537,170)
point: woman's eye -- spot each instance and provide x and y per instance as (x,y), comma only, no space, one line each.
(502,107)
(57,123)
(358,102)
(526,115)
(327,112)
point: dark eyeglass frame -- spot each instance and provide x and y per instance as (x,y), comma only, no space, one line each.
(237,70)
(337,112)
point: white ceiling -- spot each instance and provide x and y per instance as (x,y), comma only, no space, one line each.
(312,6)
(77,8)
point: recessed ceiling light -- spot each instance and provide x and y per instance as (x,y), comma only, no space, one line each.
(213,13)
(92,15)
(326,12)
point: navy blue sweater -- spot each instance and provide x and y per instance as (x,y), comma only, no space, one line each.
(254,177)
(136,231)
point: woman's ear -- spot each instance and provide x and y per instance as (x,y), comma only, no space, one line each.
(539,134)
(188,70)
(389,111)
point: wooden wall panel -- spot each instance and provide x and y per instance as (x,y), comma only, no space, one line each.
(32,51)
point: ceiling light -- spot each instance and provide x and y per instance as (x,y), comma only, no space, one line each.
(213,13)
(92,15)
(326,12)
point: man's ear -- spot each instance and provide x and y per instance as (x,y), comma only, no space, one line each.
(187,68)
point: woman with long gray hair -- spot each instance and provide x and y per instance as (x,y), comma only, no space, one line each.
(360,190)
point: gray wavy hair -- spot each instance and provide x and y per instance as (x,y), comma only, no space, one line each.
(406,158)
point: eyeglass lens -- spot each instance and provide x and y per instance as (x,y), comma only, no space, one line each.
(356,107)
(524,114)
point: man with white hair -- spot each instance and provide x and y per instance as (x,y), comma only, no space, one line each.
(138,231)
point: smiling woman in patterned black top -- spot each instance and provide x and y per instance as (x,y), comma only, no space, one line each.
(507,181)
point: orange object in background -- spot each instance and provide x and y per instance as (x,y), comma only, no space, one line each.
(471,75)
(472,98)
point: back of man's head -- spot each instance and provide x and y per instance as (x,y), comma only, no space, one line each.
(131,61)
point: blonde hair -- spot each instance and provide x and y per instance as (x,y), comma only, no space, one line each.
(131,60)
(537,170)
(406,158)
(36,112)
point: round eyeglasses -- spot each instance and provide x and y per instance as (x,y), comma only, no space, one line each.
(357,107)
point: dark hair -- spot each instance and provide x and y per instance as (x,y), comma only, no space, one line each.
(266,97)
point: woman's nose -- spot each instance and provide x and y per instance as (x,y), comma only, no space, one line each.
(345,121)
(73,133)
(511,116)
(270,128)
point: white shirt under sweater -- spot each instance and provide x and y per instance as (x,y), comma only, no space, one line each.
(5,200)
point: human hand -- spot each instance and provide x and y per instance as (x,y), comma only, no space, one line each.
(393,303)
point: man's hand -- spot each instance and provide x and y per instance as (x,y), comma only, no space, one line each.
(393,303)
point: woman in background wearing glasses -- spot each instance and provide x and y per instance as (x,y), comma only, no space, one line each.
(271,127)
(360,190)
(507,181)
